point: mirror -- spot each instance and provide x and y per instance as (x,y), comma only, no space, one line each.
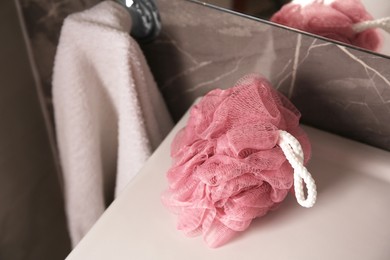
(265,9)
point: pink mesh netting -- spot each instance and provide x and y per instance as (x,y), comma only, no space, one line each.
(331,19)
(227,168)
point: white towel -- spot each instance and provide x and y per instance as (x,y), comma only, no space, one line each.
(109,113)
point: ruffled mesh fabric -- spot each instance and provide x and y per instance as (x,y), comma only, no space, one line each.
(331,19)
(227,168)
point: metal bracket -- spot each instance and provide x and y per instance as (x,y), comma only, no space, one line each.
(146,19)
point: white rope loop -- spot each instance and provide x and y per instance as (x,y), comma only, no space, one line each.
(292,149)
(383,23)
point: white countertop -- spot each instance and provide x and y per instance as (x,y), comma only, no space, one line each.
(351,219)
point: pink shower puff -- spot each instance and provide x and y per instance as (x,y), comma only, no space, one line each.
(330,18)
(227,167)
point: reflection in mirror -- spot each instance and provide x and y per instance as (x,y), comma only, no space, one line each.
(377,40)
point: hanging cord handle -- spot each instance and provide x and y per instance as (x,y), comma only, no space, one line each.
(292,149)
(383,23)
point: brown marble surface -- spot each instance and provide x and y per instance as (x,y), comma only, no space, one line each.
(32,217)
(337,88)
(43,19)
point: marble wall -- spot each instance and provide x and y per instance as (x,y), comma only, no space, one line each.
(337,88)
(43,19)
(32,217)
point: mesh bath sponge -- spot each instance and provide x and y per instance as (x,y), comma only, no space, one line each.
(335,19)
(239,155)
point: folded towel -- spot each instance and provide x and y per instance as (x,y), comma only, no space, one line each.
(109,113)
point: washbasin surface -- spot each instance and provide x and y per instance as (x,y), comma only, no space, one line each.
(349,221)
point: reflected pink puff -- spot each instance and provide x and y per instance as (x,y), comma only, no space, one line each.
(227,167)
(333,20)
